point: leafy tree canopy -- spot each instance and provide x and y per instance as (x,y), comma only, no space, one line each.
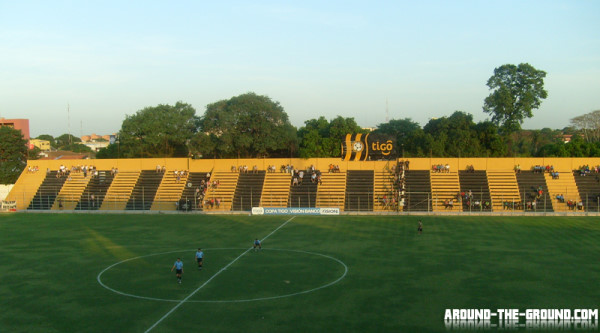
(322,138)
(247,125)
(159,131)
(516,92)
(589,125)
(64,140)
(111,151)
(13,154)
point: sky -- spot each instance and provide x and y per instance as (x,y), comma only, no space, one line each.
(85,65)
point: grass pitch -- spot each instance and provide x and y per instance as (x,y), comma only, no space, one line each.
(319,274)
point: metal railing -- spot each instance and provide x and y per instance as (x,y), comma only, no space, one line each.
(348,201)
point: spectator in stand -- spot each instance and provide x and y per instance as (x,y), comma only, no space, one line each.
(518,168)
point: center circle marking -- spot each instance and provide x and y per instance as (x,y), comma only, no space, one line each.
(99,278)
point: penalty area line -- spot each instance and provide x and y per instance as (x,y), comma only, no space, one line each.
(212,277)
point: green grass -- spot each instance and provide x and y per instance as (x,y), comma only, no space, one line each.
(397,281)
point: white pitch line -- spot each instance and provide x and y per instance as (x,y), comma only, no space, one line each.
(212,277)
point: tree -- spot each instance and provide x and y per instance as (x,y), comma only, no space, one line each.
(78,148)
(401,130)
(65,140)
(160,131)
(454,136)
(491,142)
(247,125)
(589,124)
(34,153)
(111,151)
(13,154)
(517,91)
(322,138)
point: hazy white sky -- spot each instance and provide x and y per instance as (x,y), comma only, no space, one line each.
(107,59)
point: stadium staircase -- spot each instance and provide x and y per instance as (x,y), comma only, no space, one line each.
(248,190)
(477,183)
(225,191)
(564,185)
(529,182)
(120,189)
(444,187)
(98,187)
(144,191)
(589,190)
(189,192)
(418,190)
(383,189)
(169,191)
(70,193)
(26,188)
(276,190)
(47,192)
(503,188)
(359,191)
(332,191)
(304,194)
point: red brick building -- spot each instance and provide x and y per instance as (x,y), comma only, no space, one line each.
(20,124)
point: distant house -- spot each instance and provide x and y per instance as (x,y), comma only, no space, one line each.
(43,145)
(567,138)
(95,146)
(96,142)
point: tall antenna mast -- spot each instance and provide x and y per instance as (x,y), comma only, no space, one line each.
(69,121)
(387,111)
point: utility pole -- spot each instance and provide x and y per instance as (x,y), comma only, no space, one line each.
(387,111)
(69,122)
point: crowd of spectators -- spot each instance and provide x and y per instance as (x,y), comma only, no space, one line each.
(585,170)
(334,168)
(86,170)
(298,175)
(575,205)
(397,199)
(440,168)
(470,202)
(201,194)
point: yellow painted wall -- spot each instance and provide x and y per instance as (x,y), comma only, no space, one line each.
(560,164)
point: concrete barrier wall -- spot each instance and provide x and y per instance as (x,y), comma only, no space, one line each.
(4,190)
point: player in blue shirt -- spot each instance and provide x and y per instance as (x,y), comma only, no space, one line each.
(199,258)
(178,267)
(257,244)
